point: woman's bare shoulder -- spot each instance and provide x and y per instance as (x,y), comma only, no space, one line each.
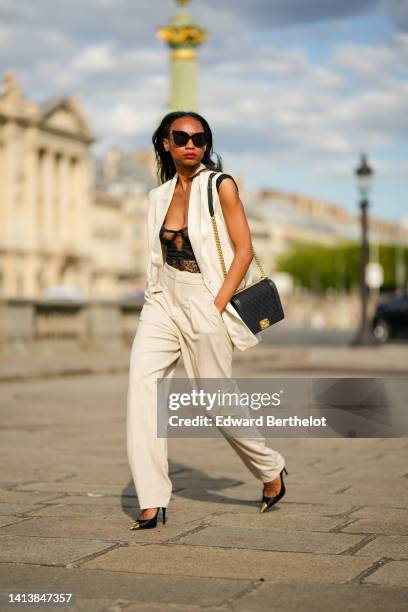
(227,181)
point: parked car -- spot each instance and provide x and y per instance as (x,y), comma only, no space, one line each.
(391,318)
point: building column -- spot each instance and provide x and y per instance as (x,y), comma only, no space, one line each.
(9,169)
(64,200)
(31,196)
(48,186)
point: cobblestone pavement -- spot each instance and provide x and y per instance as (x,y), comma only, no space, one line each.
(54,359)
(338,539)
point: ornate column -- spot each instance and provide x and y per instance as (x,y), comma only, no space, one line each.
(48,198)
(83,202)
(2,186)
(58,190)
(40,200)
(31,189)
(72,202)
(182,36)
(64,199)
(30,224)
(10,135)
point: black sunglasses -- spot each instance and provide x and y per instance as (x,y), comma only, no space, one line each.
(181,138)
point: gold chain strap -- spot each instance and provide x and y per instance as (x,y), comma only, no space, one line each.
(221,256)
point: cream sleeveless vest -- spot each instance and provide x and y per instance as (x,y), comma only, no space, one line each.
(203,243)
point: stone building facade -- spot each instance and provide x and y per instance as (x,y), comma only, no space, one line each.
(45,193)
(62,232)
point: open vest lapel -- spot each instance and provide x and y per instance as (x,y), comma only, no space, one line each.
(193,216)
(202,241)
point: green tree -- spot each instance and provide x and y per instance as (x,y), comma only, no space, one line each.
(318,267)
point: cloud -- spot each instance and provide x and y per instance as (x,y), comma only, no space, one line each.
(123,119)
(270,61)
(98,58)
(371,65)
(398,12)
(282,95)
(84,20)
(276,13)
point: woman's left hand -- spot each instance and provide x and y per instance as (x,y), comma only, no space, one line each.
(217,305)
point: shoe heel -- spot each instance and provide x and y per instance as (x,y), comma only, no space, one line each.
(268,502)
(149,523)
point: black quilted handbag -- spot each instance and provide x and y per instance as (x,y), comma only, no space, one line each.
(258,304)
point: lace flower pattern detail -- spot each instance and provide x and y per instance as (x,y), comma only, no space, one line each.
(179,253)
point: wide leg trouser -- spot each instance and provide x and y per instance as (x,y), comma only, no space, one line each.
(179,319)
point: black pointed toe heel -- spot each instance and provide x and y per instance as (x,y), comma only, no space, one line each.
(268,502)
(149,523)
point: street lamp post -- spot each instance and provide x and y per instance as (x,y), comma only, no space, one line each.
(363,173)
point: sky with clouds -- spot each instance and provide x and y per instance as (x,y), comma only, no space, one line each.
(293,90)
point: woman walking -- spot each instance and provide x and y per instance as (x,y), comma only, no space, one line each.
(187,310)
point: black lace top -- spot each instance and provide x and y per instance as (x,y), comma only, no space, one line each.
(179,253)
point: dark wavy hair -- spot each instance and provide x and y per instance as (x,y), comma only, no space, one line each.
(165,167)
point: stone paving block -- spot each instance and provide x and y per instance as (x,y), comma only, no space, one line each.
(394,459)
(393,547)
(11,477)
(390,521)
(207,504)
(95,605)
(50,551)
(30,498)
(92,501)
(354,499)
(98,477)
(182,511)
(394,443)
(265,539)
(357,474)
(308,462)
(112,511)
(90,586)
(393,573)
(289,508)
(111,531)
(284,520)
(145,607)
(321,506)
(183,560)
(17,474)
(304,485)
(9,520)
(315,509)
(7,484)
(396,487)
(200,483)
(311,598)
(69,487)
(240,500)
(319,497)
(18,509)
(215,501)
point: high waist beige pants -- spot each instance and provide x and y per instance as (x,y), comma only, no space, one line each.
(179,319)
